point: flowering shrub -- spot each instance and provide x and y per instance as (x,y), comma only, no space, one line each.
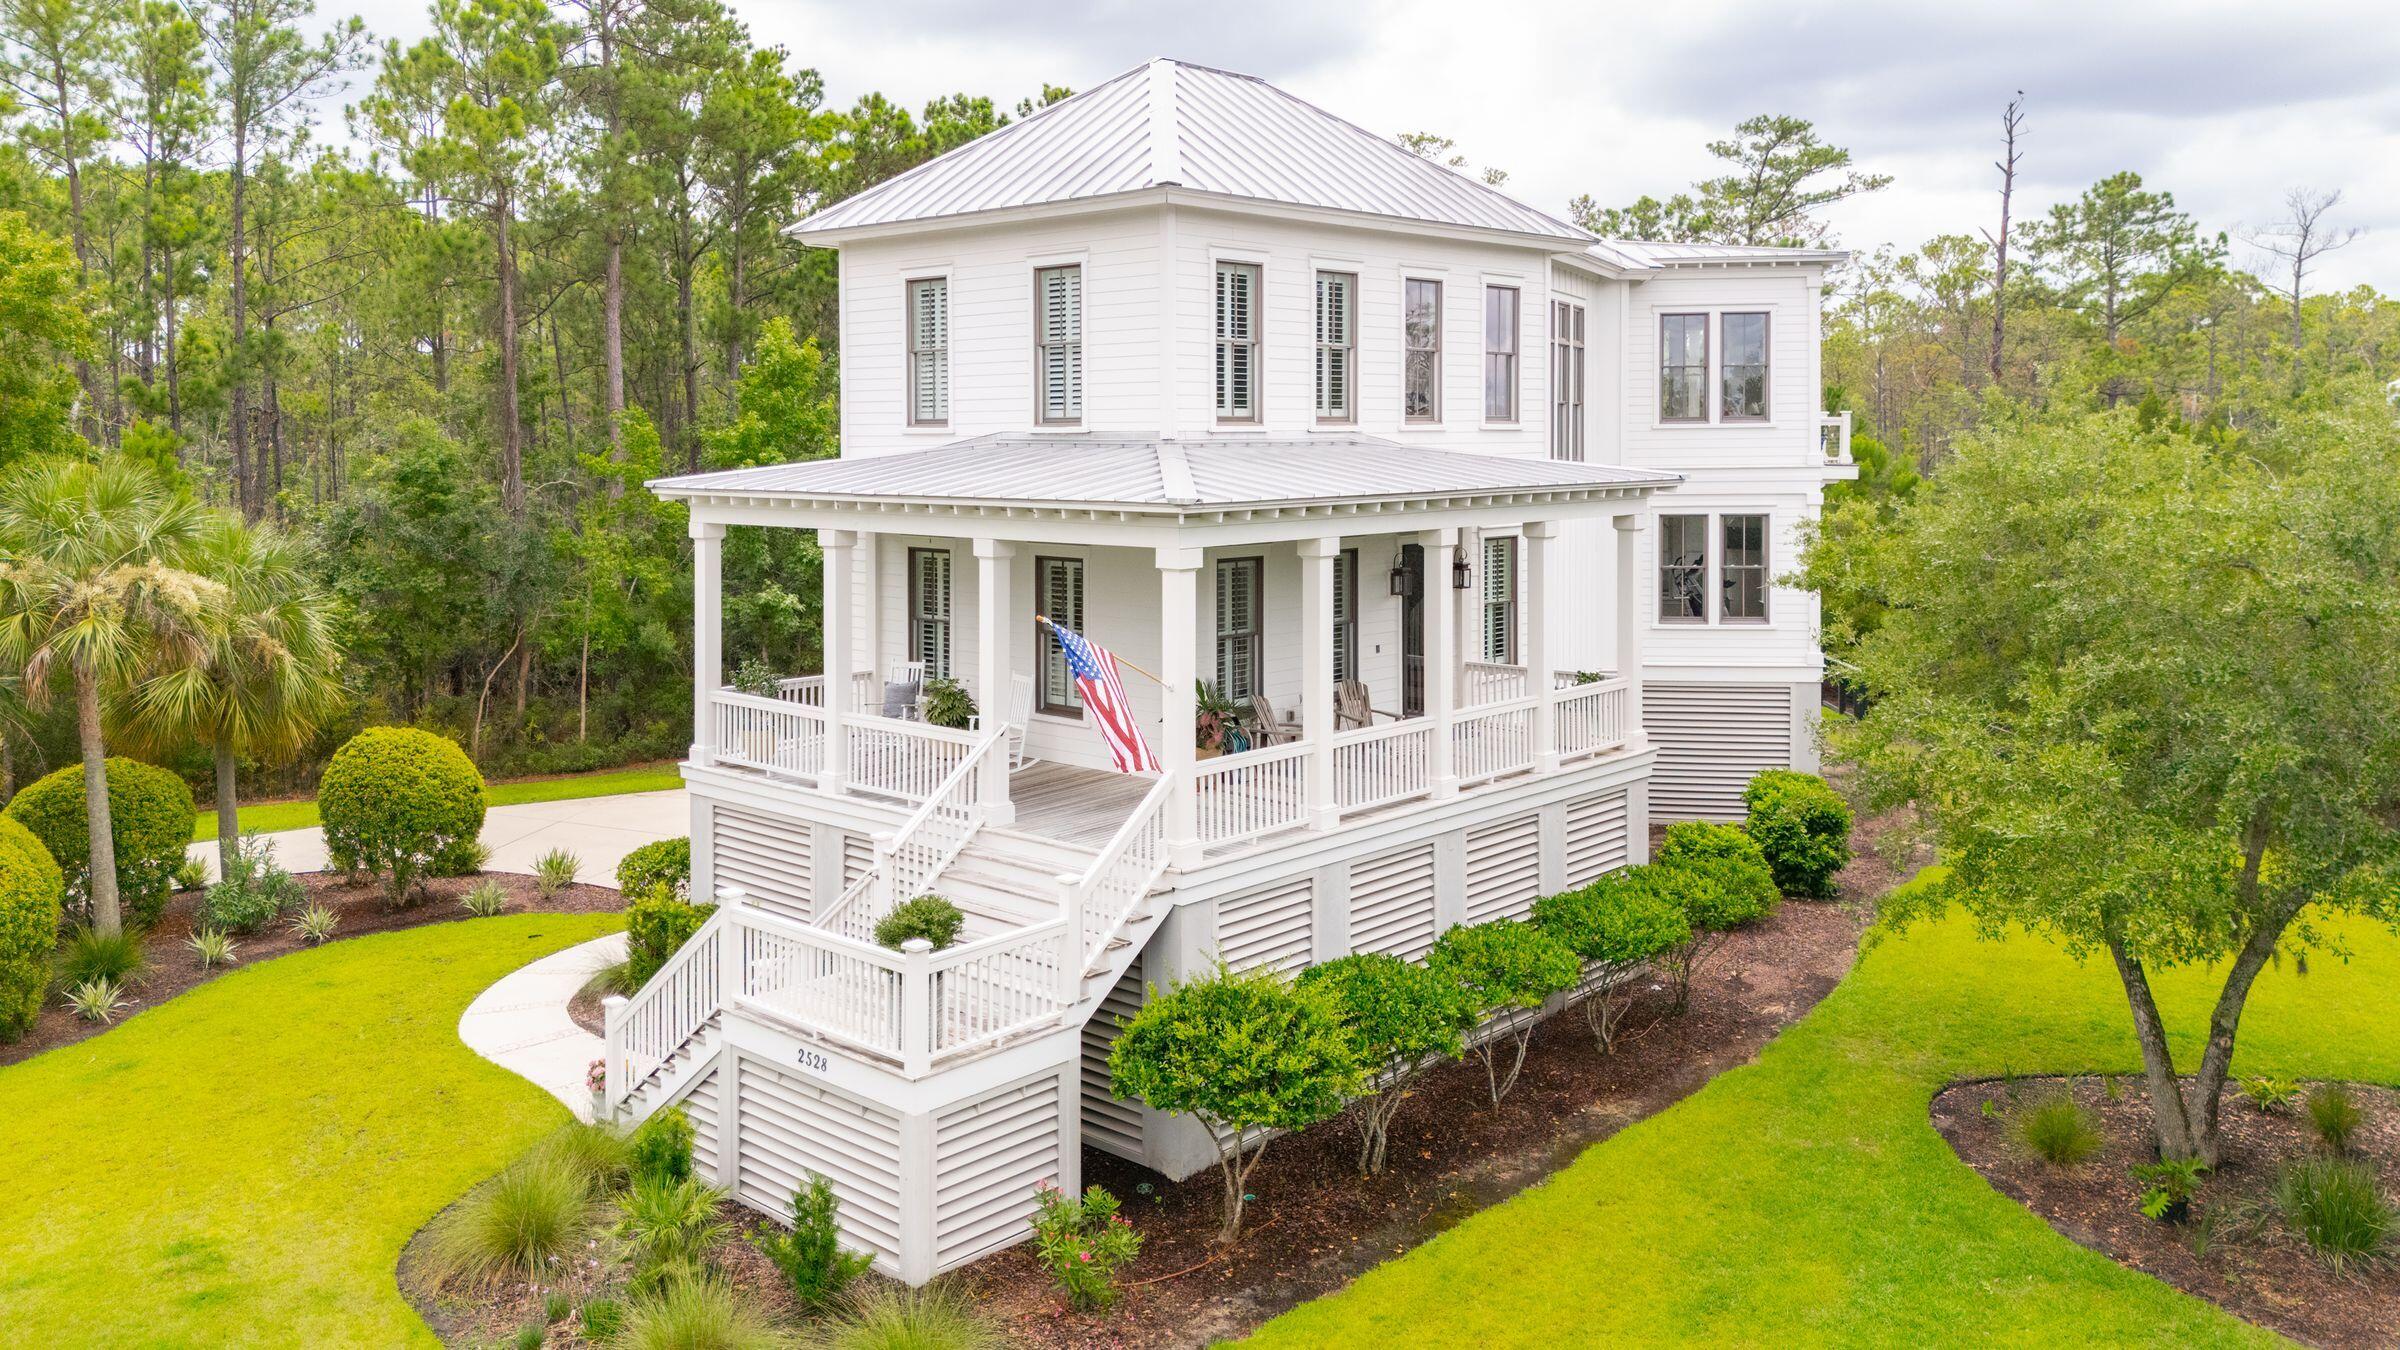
(596,1077)
(1084,1242)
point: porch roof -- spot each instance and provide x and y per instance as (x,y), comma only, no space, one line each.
(1152,476)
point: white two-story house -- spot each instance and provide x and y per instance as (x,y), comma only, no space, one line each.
(1478,518)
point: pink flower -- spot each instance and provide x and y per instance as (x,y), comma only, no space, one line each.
(1083,1256)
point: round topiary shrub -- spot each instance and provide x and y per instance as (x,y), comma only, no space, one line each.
(31,891)
(1621,922)
(1803,828)
(666,863)
(150,816)
(1745,889)
(928,916)
(395,800)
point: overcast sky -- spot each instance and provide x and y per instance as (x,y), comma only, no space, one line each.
(2226,105)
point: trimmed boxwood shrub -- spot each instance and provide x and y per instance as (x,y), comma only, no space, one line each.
(1505,966)
(394,800)
(657,923)
(31,891)
(1803,828)
(668,863)
(928,916)
(1623,921)
(1402,1018)
(150,815)
(1725,854)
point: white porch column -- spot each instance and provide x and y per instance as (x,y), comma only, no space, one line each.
(1631,607)
(1441,654)
(841,575)
(869,642)
(1317,559)
(1178,666)
(995,635)
(1533,641)
(708,634)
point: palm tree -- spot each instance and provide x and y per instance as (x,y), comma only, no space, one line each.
(265,676)
(90,580)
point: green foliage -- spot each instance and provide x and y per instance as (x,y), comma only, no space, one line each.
(254,893)
(461,857)
(706,1312)
(660,1151)
(97,1000)
(485,899)
(927,916)
(1084,1241)
(668,1229)
(538,1209)
(1745,889)
(893,1317)
(212,948)
(192,876)
(2337,1205)
(31,892)
(2057,1130)
(656,924)
(601,1154)
(667,862)
(553,872)
(602,1319)
(947,703)
(1623,921)
(1505,966)
(1777,180)
(393,799)
(2168,1187)
(1240,1051)
(43,323)
(1802,827)
(2271,1096)
(810,1255)
(1400,1017)
(531,1335)
(2334,1112)
(89,954)
(315,924)
(150,821)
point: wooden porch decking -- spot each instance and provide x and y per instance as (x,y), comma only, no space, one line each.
(1073,805)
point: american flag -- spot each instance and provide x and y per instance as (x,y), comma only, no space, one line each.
(1095,671)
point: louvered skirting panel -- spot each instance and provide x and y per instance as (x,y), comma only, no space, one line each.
(1595,838)
(1271,926)
(1504,869)
(1107,1122)
(989,1154)
(1391,903)
(1712,739)
(700,1104)
(768,857)
(858,855)
(792,1127)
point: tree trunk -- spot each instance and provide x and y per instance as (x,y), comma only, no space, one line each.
(102,884)
(174,367)
(613,341)
(691,359)
(229,816)
(512,431)
(245,475)
(2171,1122)
(558,364)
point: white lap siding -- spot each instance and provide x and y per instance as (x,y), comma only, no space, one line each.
(1712,739)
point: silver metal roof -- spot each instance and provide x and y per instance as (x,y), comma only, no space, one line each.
(1145,473)
(1171,124)
(1659,254)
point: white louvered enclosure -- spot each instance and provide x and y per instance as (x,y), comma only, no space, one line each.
(990,1153)
(1596,842)
(1712,740)
(1504,869)
(1109,1121)
(792,1129)
(1272,926)
(1392,903)
(768,856)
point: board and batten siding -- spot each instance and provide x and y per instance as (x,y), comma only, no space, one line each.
(768,857)
(1392,903)
(1504,869)
(1595,842)
(1712,739)
(792,1128)
(990,1153)
(1110,1122)
(1272,926)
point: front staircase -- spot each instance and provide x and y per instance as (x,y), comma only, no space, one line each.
(936,1089)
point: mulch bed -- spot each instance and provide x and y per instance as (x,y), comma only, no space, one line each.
(362,910)
(2236,1251)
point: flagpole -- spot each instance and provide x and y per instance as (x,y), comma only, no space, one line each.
(1044,620)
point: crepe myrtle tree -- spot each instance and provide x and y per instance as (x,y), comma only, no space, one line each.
(1402,1019)
(2139,687)
(1244,1052)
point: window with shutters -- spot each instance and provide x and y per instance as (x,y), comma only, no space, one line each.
(1683,569)
(1566,380)
(1500,601)
(1500,353)
(929,352)
(1345,615)
(1742,382)
(1682,367)
(1058,345)
(1421,338)
(1337,301)
(929,609)
(1237,342)
(1240,583)
(1742,569)
(1059,584)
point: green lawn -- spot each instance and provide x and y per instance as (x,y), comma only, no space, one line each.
(268,817)
(1804,1198)
(243,1164)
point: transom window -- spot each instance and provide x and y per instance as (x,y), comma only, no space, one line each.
(1058,344)
(1742,384)
(1736,573)
(929,352)
(929,609)
(1500,353)
(1566,380)
(1421,335)
(1500,601)
(1058,584)
(1237,342)
(1337,301)
(1240,582)
(1683,367)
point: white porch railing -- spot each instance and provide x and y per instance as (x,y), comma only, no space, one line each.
(1102,901)
(1833,436)
(651,1026)
(809,691)
(931,839)
(984,992)
(1486,682)
(1237,797)
(773,734)
(1591,718)
(1375,766)
(1488,742)
(908,760)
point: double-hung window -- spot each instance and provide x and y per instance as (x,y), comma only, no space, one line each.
(1058,585)
(1240,627)
(1058,345)
(1337,345)
(1682,367)
(1500,353)
(1683,569)
(929,352)
(929,609)
(1500,601)
(1566,380)
(1421,337)
(1345,615)
(1742,383)
(1741,583)
(1742,569)
(1237,342)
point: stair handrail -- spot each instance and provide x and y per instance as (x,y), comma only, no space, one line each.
(1100,901)
(643,1031)
(946,821)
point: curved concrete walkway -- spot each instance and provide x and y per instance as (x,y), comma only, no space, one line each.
(521,1022)
(599,831)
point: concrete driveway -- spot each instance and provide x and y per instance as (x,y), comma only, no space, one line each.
(599,831)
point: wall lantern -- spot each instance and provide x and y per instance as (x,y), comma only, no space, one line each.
(1461,576)
(1399,578)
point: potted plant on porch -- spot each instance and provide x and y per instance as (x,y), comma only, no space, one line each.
(1216,722)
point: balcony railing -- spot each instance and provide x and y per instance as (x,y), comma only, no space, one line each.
(1591,718)
(1833,436)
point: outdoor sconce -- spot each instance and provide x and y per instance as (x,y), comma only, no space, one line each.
(1461,576)
(1399,579)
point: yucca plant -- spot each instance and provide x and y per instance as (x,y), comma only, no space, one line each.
(485,899)
(97,1000)
(514,1226)
(553,872)
(212,947)
(315,924)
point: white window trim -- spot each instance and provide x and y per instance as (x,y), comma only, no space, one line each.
(1032,377)
(1716,419)
(1440,280)
(1526,293)
(908,327)
(1349,272)
(1711,573)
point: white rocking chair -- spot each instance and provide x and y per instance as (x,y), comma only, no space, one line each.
(1020,717)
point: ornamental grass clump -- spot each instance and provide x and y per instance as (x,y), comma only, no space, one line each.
(2337,1207)
(1621,922)
(704,1313)
(1802,826)
(1504,968)
(89,954)
(810,1255)
(2058,1130)
(1084,1241)
(1402,1018)
(2335,1115)
(553,872)
(517,1225)
(894,1317)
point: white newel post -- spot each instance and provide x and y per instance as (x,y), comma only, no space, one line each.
(730,900)
(708,634)
(995,638)
(1317,559)
(916,1006)
(1179,621)
(612,1053)
(1533,642)
(839,617)
(1629,625)
(1441,654)
(1071,945)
